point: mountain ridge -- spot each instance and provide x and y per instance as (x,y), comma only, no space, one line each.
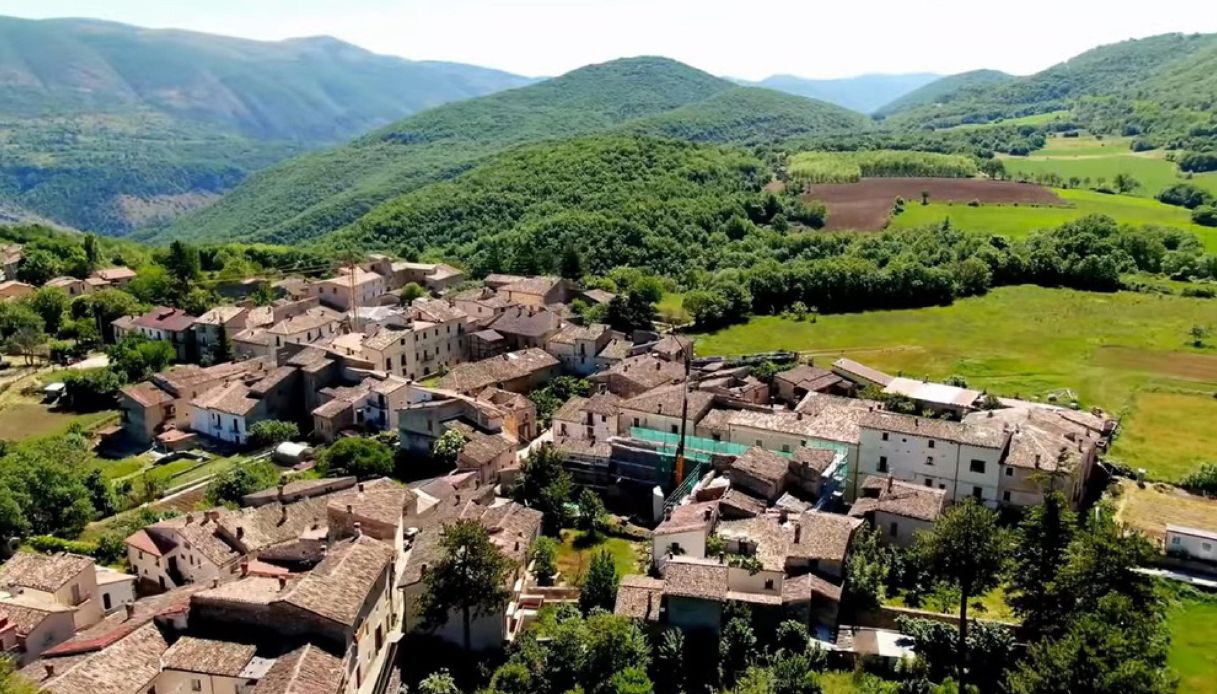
(864,93)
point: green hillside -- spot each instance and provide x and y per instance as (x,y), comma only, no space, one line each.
(620,200)
(317,193)
(1121,71)
(107,127)
(942,89)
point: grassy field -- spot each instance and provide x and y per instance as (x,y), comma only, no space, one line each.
(1037,119)
(991,605)
(1113,350)
(1193,652)
(576,552)
(1152,507)
(1018,221)
(27,420)
(671,309)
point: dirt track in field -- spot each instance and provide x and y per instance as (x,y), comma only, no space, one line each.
(867,204)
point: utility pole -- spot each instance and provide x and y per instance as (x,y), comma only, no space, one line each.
(684,413)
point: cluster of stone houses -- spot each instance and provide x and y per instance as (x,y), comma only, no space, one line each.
(307,587)
(12,255)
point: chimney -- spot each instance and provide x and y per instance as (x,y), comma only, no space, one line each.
(889,483)
(282,582)
(189,518)
(50,670)
(240,532)
(707,514)
(783,516)
(282,515)
(244,569)
(916,422)
(358,529)
(361,487)
(215,582)
(517,545)
(282,490)
(130,609)
(798,532)
(422,570)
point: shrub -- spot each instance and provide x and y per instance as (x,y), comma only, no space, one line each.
(91,389)
(1202,481)
(1205,215)
(357,456)
(1186,195)
(50,543)
(272,432)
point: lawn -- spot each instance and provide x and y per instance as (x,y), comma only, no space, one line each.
(1169,433)
(1088,145)
(1193,651)
(20,420)
(1108,349)
(672,310)
(1018,221)
(991,605)
(576,552)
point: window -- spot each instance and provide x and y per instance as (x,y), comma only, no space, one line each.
(675,429)
(977,466)
(929,482)
(1176,541)
(885,436)
(977,492)
(1206,546)
(1009,472)
(893,529)
(635,421)
(1005,496)
(785,448)
(929,460)
(758,442)
(196,685)
(603,418)
(105,601)
(931,443)
(882,463)
(768,584)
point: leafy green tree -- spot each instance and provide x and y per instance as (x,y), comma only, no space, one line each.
(544,555)
(591,512)
(412,291)
(38,266)
(45,480)
(1040,544)
(1125,183)
(27,343)
(440,682)
(513,678)
(633,680)
(448,447)
(18,317)
(90,390)
(51,304)
(101,495)
(736,650)
(136,357)
(965,549)
(794,674)
(792,637)
(614,643)
(92,252)
(600,586)
(358,456)
(470,578)
(570,265)
(272,432)
(104,307)
(12,518)
(546,486)
(228,486)
(1117,648)
(1103,560)
(868,566)
(630,311)
(1184,194)
(669,661)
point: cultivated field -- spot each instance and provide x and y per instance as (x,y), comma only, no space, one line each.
(1016,222)
(1111,350)
(1152,508)
(867,204)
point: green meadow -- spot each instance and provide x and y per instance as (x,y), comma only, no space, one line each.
(1108,350)
(1193,652)
(1019,220)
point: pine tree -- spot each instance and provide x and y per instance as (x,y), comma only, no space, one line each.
(600,586)
(470,579)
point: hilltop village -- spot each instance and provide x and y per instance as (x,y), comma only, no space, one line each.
(751,481)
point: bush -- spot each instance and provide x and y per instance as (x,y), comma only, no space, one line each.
(50,543)
(89,390)
(1205,215)
(1186,195)
(230,485)
(357,456)
(272,432)
(1202,481)
(1198,162)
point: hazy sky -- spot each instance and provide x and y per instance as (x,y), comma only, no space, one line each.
(742,38)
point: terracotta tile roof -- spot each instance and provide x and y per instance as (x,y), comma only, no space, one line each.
(383,503)
(765,536)
(817,459)
(306,670)
(647,371)
(203,539)
(1040,438)
(118,625)
(164,318)
(43,572)
(26,615)
(502,278)
(900,499)
(527,321)
(831,423)
(266,526)
(361,276)
(669,401)
(61,282)
(112,274)
(208,657)
(538,286)
(808,377)
(251,590)
(300,489)
(312,319)
(616,350)
(584,448)
(233,398)
(571,333)
(736,504)
(941,429)
(571,410)
(598,296)
(483,448)
(220,315)
(128,666)
(804,588)
(512,527)
(146,393)
(688,517)
(762,464)
(338,587)
(823,536)
(187,376)
(696,580)
(476,376)
(436,311)
(639,597)
(849,367)
(671,345)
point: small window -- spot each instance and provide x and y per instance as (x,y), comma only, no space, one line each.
(929,482)
(675,429)
(1009,472)
(603,418)
(882,463)
(1206,546)
(196,685)
(1176,541)
(929,460)
(931,443)
(758,443)
(977,466)
(785,448)
(977,492)
(942,486)
(893,529)
(635,421)
(1005,496)
(885,436)
(768,584)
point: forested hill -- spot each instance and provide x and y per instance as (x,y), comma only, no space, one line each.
(1122,71)
(943,89)
(317,193)
(310,90)
(109,127)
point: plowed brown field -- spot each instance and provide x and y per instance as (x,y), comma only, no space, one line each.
(867,204)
